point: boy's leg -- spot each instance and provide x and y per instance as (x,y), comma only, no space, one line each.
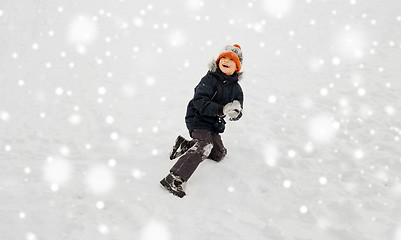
(218,151)
(187,163)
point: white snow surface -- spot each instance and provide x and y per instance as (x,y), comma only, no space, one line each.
(93,94)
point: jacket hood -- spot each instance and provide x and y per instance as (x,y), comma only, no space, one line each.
(213,68)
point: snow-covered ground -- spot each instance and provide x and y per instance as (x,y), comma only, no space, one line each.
(93,94)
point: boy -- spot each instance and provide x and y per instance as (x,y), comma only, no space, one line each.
(218,95)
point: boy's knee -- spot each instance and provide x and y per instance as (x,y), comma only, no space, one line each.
(218,155)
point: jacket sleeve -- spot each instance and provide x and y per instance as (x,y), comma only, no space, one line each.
(204,93)
(240,96)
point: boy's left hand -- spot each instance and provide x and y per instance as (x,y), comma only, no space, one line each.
(233,110)
(237,117)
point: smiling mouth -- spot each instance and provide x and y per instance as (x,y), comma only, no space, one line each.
(226,66)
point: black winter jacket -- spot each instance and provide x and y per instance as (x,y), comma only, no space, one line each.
(215,90)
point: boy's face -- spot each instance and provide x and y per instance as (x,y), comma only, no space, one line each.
(227,66)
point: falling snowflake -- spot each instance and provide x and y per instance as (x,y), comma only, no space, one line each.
(155,230)
(100,179)
(322,128)
(277,8)
(57,171)
(303,209)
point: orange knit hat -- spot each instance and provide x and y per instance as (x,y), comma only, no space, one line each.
(234,52)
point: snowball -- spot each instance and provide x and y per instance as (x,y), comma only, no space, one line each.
(100,180)
(230,189)
(155,230)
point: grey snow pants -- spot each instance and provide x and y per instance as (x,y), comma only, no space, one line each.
(207,145)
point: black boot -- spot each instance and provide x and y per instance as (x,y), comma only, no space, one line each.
(180,147)
(173,184)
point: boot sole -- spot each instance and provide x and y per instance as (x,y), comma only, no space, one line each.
(167,186)
(177,144)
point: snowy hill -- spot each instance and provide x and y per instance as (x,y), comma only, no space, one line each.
(92,96)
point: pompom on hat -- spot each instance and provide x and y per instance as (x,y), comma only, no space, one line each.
(234,52)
